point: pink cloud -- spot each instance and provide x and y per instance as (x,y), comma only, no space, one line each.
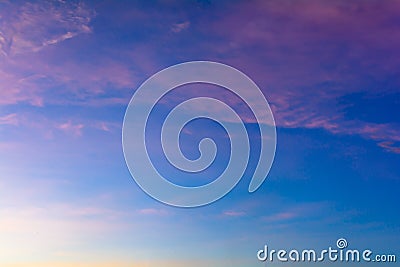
(288,66)
(233,213)
(49,128)
(390,147)
(294,41)
(106,126)
(16,88)
(304,24)
(297,211)
(103,126)
(32,26)
(34,76)
(10,119)
(71,128)
(108,83)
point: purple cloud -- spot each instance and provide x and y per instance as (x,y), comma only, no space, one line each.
(10,119)
(32,26)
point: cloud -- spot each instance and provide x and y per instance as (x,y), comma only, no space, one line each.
(385,134)
(306,55)
(61,38)
(234,213)
(178,27)
(37,79)
(73,82)
(297,212)
(32,124)
(10,119)
(71,128)
(322,52)
(390,147)
(16,88)
(32,26)
(103,126)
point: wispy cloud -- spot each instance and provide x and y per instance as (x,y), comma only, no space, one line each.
(385,134)
(10,119)
(17,88)
(103,126)
(299,96)
(306,210)
(72,128)
(48,82)
(61,38)
(323,51)
(232,213)
(31,26)
(390,146)
(178,27)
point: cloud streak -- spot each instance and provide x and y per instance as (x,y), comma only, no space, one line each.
(233,213)
(69,127)
(10,119)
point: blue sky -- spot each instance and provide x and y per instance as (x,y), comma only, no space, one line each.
(329,70)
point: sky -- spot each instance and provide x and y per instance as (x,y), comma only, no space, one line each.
(68,69)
